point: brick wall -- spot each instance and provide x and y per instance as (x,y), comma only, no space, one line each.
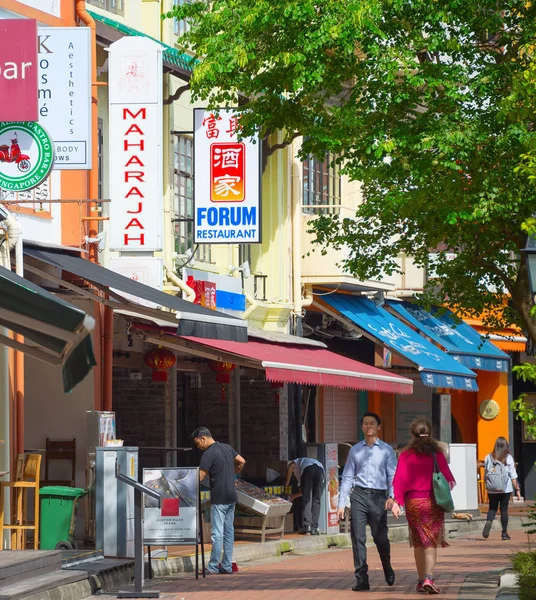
(142,418)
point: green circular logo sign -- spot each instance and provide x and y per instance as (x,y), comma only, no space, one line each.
(26,155)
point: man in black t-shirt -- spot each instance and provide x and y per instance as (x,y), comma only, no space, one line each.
(221,463)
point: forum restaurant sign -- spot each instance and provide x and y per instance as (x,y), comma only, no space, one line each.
(227,197)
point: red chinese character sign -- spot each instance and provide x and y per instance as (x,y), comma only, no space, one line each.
(18,70)
(227,194)
(135,145)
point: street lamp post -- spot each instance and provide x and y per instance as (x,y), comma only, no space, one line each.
(530,252)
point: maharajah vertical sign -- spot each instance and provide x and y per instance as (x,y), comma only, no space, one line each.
(227,198)
(135,146)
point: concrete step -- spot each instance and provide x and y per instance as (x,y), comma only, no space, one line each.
(17,565)
(39,587)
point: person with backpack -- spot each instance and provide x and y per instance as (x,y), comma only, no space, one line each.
(501,480)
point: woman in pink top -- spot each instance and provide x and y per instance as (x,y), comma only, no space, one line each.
(413,488)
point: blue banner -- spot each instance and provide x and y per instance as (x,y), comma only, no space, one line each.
(459,339)
(438,369)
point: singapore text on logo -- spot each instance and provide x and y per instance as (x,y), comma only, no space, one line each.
(26,155)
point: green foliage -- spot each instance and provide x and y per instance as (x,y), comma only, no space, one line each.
(429,104)
(524,564)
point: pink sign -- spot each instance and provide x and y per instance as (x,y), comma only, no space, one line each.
(18,70)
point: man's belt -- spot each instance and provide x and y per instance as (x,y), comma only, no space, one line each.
(369,490)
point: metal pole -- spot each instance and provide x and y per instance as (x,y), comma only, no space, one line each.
(237,416)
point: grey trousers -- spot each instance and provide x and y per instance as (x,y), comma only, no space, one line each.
(368,507)
(312,484)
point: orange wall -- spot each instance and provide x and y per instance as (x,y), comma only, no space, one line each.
(492,386)
(464,410)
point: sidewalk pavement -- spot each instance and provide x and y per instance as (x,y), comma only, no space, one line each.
(468,570)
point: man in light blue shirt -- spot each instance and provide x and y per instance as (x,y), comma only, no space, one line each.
(369,470)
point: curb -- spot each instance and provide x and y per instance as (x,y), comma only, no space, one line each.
(508,587)
(244,553)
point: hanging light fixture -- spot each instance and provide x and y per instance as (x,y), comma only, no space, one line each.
(159,360)
(530,253)
(223,374)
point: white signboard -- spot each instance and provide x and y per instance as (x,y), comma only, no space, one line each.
(332,488)
(50,7)
(175,521)
(227,197)
(145,270)
(65,93)
(135,145)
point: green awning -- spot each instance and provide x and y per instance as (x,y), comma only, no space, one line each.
(54,331)
(173,59)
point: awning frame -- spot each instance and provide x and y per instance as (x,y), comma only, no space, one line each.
(122,302)
(188,318)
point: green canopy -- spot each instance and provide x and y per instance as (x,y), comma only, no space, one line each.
(54,331)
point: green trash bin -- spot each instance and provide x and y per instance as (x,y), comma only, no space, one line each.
(58,514)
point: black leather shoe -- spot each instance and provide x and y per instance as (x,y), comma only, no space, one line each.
(361,586)
(390,577)
(304,530)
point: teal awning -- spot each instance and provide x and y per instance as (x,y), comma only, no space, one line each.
(54,331)
(437,369)
(173,59)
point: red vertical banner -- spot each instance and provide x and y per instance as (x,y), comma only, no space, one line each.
(18,70)
(227,172)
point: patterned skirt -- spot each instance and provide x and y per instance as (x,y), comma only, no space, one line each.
(426,522)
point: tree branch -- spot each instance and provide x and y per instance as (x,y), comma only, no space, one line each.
(178,93)
(282,145)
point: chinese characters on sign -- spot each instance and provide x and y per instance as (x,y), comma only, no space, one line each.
(135,145)
(227,201)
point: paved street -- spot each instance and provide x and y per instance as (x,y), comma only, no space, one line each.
(329,575)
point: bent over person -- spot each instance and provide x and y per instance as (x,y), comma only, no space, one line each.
(221,463)
(370,469)
(310,475)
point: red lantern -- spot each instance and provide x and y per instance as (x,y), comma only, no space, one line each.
(222,370)
(159,360)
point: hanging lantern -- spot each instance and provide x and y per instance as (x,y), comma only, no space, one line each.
(276,385)
(159,360)
(223,374)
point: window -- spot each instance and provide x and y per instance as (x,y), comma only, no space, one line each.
(182,26)
(114,6)
(183,199)
(321,186)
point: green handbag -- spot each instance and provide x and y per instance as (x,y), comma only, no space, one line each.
(441,488)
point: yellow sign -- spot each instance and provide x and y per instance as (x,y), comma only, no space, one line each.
(489,409)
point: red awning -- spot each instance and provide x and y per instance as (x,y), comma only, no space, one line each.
(311,366)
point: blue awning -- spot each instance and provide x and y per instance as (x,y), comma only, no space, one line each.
(459,340)
(437,368)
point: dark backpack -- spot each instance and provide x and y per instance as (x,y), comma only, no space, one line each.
(496,477)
